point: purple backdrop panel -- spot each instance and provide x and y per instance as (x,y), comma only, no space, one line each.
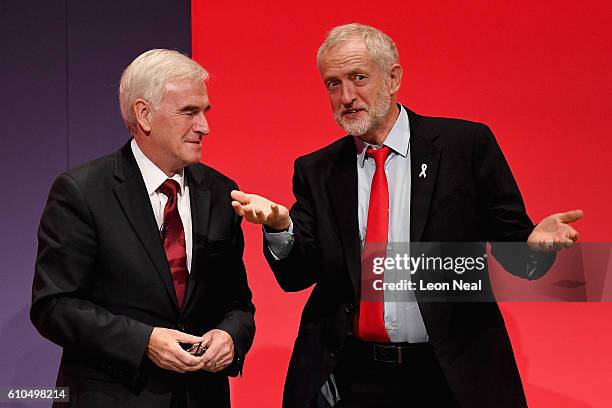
(60,70)
(34,151)
(103,38)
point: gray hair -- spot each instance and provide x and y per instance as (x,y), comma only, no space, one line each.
(381,46)
(146,78)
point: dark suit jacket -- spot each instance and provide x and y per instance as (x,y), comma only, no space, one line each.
(469,195)
(102,282)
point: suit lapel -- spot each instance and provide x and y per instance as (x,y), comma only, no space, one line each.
(343,196)
(424,157)
(199,198)
(132,195)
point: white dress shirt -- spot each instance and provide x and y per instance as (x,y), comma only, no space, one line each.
(154,177)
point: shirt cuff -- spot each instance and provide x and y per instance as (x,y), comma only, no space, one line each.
(280,243)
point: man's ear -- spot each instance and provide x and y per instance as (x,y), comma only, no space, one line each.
(142,111)
(395,78)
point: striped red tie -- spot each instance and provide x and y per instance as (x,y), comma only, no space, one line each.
(173,236)
(371,322)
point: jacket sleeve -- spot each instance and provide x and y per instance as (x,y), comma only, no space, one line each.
(507,224)
(301,268)
(239,320)
(64,274)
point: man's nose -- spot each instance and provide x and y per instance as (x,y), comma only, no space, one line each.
(347,96)
(201,124)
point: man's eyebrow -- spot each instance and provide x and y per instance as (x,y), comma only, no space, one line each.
(194,108)
(357,72)
(189,108)
(351,73)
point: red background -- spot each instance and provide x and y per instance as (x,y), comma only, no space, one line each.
(540,75)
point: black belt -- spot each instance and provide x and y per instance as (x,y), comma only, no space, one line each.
(395,353)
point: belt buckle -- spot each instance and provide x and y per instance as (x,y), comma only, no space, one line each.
(398,354)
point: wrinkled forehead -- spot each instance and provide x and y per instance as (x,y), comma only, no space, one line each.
(346,57)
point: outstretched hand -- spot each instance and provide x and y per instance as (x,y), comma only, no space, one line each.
(260,210)
(554,232)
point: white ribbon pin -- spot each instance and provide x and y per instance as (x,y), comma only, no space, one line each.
(423,168)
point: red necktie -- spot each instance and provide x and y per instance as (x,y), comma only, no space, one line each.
(173,237)
(370,321)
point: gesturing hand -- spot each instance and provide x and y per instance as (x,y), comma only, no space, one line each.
(165,351)
(554,232)
(260,210)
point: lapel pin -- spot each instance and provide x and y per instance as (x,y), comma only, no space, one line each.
(423,168)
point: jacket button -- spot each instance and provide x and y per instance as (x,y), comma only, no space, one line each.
(332,355)
(348,308)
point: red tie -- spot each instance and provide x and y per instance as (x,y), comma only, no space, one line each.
(370,322)
(173,237)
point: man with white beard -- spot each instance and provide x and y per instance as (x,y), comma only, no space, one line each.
(397,177)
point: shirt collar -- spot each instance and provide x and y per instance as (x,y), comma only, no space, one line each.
(397,140)
(152,175)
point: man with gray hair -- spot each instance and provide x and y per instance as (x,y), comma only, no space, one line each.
(139,274)
(398,177)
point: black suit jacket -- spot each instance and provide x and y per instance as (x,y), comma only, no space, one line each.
(102,282)
(469,195)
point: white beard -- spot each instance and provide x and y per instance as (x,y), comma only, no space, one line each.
(375,116)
